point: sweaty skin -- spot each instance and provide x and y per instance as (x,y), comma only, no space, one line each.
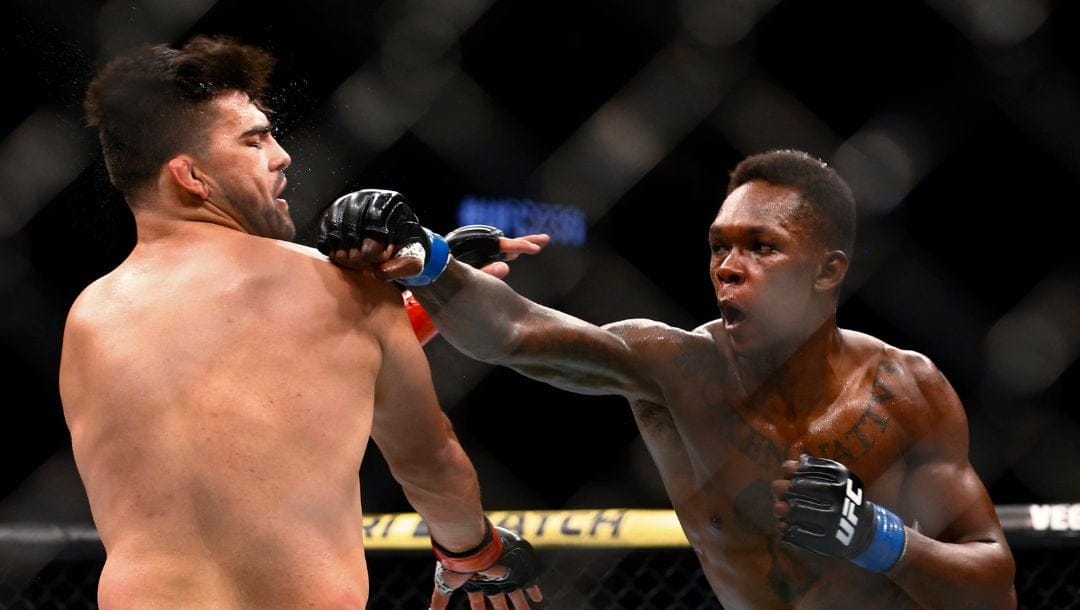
(722,407)
(220,390)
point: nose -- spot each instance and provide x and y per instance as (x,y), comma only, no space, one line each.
(730,271)
(281,159)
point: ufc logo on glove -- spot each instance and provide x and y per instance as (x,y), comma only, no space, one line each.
(848,518)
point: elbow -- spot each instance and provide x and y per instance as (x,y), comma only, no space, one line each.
(1008,578)
(1004,600)
(1001,584)
(1010,602)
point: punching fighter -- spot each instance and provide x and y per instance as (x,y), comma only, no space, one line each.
(810,466)
(222,383)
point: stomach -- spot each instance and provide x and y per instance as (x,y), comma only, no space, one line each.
(778,576)
(737,542)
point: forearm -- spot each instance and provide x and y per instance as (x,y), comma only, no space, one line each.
(940,575)
(476,313)
(446,493)
(485,319)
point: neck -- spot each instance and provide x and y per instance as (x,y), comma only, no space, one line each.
(800,375)
(162,216)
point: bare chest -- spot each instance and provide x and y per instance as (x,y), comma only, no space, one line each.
(856,426)
(735,448)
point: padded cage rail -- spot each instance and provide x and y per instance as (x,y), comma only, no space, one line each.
(607,559)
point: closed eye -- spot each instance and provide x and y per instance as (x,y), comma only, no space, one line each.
(256,136)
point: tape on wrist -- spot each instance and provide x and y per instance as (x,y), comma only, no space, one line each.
(480,557)
(438,256)
(887,543)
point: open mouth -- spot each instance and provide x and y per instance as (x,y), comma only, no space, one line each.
(280,187)
(278,199)
(731,314)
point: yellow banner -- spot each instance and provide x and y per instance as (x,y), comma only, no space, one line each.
(607,527)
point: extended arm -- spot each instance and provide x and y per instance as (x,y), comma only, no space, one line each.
(486,319)
(479,314)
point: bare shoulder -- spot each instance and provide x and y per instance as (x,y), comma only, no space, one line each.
(96,303)
(307,261)
(297,249)
(95,316)
(912,364)
(919,387)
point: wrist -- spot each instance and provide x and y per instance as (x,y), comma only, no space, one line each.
(438,255)
(476,559)
(887,543)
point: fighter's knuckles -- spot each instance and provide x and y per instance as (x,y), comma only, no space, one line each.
(372,250)
(781,509)
(780,487)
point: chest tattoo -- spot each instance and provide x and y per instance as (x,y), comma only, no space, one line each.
(871,424)
(758,448)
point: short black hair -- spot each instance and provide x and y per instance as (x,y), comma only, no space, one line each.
(831,202)
(149,103)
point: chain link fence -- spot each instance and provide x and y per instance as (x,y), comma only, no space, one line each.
(637,566)
(573,579)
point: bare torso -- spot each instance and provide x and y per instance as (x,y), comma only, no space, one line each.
(219,428)
(718,453)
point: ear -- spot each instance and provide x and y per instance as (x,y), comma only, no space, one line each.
(832,271)
(187,176)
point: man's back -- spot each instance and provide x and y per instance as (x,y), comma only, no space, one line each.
(216,471)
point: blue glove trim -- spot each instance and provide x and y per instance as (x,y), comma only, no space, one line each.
(437,259)
(887,544)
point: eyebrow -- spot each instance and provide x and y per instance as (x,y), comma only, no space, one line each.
(257,130)
(752,230)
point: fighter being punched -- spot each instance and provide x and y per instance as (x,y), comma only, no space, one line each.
(810,466)
(222,469)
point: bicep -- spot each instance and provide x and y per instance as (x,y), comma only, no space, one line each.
(943,492)
(584,358)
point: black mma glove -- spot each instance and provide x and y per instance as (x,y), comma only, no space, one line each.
(521,563)
(476,245)
(500,547)
(829,516)
(386,217)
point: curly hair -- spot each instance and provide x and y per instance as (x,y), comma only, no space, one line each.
(151,102)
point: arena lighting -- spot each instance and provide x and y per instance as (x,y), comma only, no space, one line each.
(515,217)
